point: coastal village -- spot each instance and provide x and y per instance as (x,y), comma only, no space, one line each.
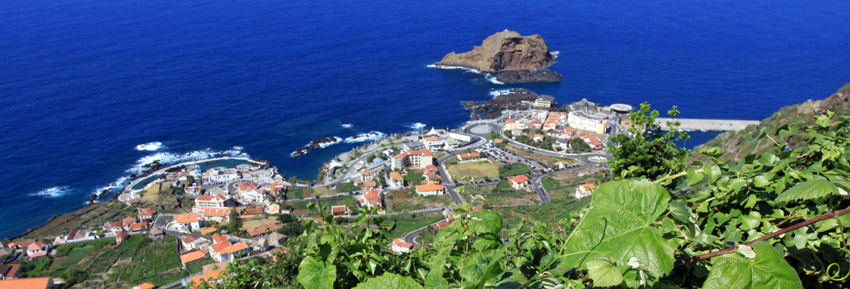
(180,225)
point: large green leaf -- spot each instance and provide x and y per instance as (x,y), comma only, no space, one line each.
(315,274)
(389,281)
(767,270)
(619,226)
(603,273)
(808,190)
(486,222)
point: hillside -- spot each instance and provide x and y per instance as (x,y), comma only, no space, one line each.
(740,143)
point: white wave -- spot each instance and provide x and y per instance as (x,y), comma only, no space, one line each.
(492,79)
(53,192)
(364,137)
(336,140)
(238,148)
(555,54)
(416,126)
(453,67)
(151,146)
(498,92)
(347,125)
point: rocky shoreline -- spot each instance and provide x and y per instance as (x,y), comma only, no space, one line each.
(315,144)
(512,99)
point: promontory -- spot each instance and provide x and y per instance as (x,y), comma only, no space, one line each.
(511,57)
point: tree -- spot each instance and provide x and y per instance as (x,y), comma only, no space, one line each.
(509,134)
(370,158)
(579,145)
(235,224)
(647,151)
(74,275)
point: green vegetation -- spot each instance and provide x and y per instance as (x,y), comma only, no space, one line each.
(347,187)
(63,250)
(550,183)
(578,145)
(413,179)
(508,170)
(295,194)
(771,220)
(406,223)
(76,255)
(649,153)
(480,170)
(150,258)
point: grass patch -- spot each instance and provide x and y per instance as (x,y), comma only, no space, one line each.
(413,178)
(479,170)
(295,194)
(509,170)
(396,201)
(405,223)
(77,255)
(550,183)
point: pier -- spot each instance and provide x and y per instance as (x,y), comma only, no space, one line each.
(708,124)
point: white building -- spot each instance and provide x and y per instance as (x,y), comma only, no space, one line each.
(430,190)
(584,190)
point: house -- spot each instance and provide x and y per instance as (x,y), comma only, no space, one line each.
(468,156)
(400,246)
(430,190)
(366,175)
(207,201)
(339,210)
(80,235)
(430,169)
(370,199)
(417,159)
(120,237)
(222,250)
(208,231)
(188,243)
(112,228)
(510,124)
(27,283)
(157,233)
(260,245)
(276,238)
(139,226)
(262,230)
(395,181)
(37,249)
(439,226)
(147,214)
(584,190)
(544,101)
(191,221)
(433,142)
(127,221)
(538,138)
(431,178)
(273,209)
(214,214)
(519,182)
(252,212)
(550,125)
(561,144)
(208,277)
(9,271)
(369,185)
(251,194)
(146,285)
(192,257)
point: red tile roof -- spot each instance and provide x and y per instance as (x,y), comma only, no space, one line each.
(372,197)
(187,218)
(207,277)
(192,256)
(147,212)
(36,246)
(217,238)
(396,176)
(470,155)
(215,212)
(399,242)
(27,283)
(432,138)
(423,152)
(428,188)
(519,179)
(189,239)
(146,285)
(209,230)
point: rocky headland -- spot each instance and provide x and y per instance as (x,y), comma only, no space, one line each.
(315,144)
(509,56)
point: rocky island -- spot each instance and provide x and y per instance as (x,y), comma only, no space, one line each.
(509,56)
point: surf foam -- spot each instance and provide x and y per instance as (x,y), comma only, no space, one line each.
(53,192)
(416,126)
(151,146)
(364,137)
(347,125)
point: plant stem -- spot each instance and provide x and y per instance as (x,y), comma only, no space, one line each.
(831,214)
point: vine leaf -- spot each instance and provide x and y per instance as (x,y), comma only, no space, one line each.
(315,274)
(389,281)
(603,273)
(619,226)
(767,270)
(808,190)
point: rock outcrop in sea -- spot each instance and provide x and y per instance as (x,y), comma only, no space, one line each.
(507,99)
(315,144)
(511,57)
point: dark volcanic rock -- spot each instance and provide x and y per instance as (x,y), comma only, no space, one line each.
(493,108)
(529,75)
(509,56)
(316,143)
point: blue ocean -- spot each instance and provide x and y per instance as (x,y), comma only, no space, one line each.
(83,82)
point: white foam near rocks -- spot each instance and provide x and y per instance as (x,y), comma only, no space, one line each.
(364,137)
(336,140)
(53,192)
(151,146)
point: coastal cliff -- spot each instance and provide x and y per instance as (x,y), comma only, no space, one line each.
(511,57)
(738,144)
